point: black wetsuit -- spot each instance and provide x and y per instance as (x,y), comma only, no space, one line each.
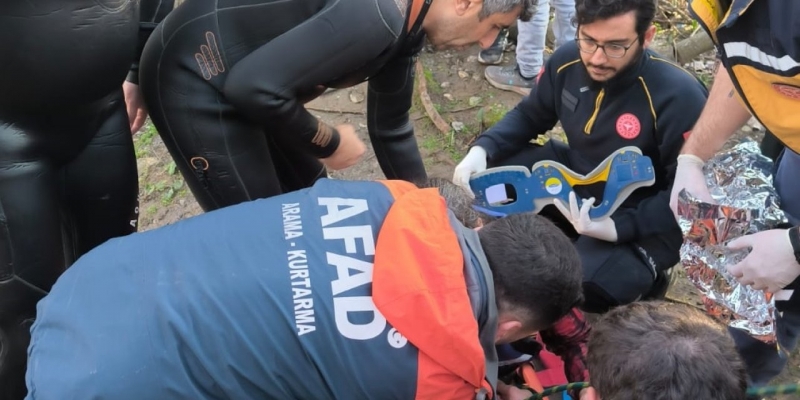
(68,178)
(650,105)
(225,82)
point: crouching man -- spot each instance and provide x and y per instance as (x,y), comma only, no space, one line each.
(342,290)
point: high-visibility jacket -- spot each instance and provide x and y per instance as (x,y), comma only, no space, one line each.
(759,42)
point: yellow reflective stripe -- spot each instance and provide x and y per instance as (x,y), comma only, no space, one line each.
(588,128)
(567,65)
(650,101)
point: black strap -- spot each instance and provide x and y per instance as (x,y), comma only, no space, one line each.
(794,239)
(418,23)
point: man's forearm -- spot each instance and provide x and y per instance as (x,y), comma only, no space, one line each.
(722,116)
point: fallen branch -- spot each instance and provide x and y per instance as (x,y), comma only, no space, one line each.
(330,110)
(462,109)
(422,88)
(687,49)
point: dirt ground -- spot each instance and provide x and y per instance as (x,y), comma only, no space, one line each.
(459,92)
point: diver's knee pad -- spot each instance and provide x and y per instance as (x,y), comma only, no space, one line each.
(18,301)
(14,340)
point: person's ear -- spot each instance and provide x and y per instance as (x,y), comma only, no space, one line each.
(507,328)
(649,34)
(462,6)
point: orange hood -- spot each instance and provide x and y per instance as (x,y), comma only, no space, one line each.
(420,287)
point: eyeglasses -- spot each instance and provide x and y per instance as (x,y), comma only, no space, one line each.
(611,50)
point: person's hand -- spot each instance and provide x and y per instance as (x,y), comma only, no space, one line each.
(689,175)
(134,104)
(350,149)
(771,264)
(508,392)
(474,162)
(603,229)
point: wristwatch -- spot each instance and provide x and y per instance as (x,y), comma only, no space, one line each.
(794,239)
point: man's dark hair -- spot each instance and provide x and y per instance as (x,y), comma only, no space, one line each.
(663,351)
(536,269)
(588,11)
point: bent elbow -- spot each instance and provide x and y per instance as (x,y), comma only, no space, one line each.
(248,97)
(239,92)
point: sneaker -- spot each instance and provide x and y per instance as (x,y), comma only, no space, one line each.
(509,78)
(494,54)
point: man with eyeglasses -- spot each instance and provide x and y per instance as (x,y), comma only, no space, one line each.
(609,91)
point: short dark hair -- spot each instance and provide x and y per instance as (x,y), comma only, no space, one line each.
(536,269)
(588,11)
(658,350)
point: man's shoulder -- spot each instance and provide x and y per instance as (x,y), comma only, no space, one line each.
(566,56)
(664,74)
(393,13)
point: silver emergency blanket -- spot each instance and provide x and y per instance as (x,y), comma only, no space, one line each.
(740,181)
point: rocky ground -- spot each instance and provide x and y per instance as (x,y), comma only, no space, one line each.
(460,94)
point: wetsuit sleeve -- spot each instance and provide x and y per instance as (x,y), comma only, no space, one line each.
(151,12)
(533,116)
(389,97)
(681,107)
(265,84)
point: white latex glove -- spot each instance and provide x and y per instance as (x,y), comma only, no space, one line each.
(689,175)
(770,265)
(474,162)
(603,229)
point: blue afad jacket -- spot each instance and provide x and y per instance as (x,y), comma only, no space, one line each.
(347,290)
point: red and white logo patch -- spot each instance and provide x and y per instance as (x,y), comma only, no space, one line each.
(628,126)
(790,91)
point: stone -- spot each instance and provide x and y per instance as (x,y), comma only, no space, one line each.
(356,97)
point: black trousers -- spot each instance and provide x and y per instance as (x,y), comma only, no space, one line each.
(614,274)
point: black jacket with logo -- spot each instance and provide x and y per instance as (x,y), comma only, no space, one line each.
(650,105)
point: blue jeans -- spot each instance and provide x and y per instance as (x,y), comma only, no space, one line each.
(532,34)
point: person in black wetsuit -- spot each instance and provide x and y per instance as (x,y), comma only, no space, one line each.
(68,177)
(225,82)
